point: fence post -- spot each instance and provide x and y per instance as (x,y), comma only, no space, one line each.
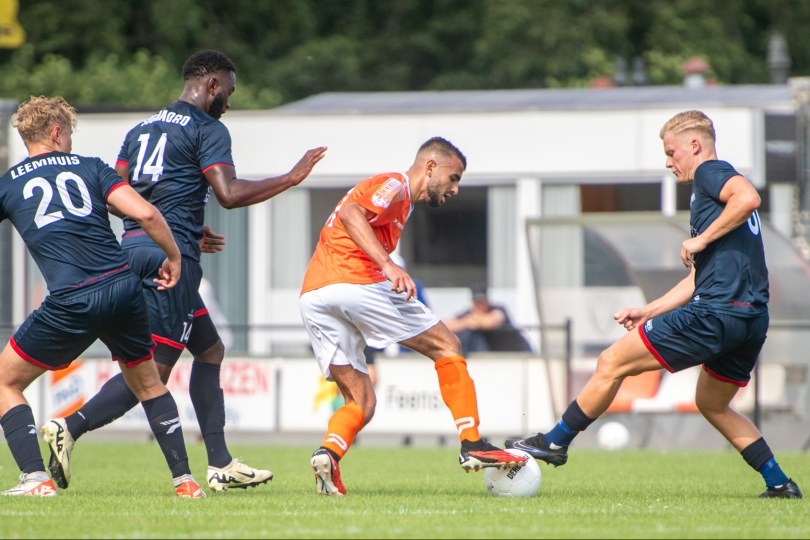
(569,369)
(757,413)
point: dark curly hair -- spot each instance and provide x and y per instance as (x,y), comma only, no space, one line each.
(206,62)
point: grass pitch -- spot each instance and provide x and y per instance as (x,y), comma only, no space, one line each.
(123,490)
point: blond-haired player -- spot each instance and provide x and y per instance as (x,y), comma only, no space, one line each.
(57,201)
(715,317)
(353,293)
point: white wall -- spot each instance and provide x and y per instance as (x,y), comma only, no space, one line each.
(536,144)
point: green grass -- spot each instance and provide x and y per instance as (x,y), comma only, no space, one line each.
(123,490)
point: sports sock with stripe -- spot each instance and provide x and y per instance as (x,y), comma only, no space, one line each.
(161,412)
(458,393)
(344,425)
(760,457)
(113,400)
(573,421)
(20,430)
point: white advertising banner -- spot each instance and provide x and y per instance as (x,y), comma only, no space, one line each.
(249,386)
(291,395)
(512,394)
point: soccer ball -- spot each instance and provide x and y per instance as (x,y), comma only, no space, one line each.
(612,436)
(516,481)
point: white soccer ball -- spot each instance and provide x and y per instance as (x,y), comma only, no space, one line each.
(516,481)
(613,436)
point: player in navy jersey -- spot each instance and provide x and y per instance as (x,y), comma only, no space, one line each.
(716,317)
(58,201)
(174,158)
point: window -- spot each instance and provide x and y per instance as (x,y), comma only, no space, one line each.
(444,247)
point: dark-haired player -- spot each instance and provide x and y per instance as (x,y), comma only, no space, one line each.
(355,294)
(174,158)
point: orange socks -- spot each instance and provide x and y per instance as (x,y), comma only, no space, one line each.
(343,427)
(458,392)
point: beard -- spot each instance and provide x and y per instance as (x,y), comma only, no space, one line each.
(434,197)
(217,108)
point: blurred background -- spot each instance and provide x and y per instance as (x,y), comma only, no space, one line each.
(566,212)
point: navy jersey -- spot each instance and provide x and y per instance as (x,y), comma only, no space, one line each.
(58,204)
(166,156)
(731,274)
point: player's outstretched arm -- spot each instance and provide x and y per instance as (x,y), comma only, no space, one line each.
(676,297)
(126,200)
(233,192)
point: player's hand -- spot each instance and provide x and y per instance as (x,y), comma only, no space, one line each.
(305,164)
(168,274)
(211,242)
(630,318)
(400,280)
(689,248)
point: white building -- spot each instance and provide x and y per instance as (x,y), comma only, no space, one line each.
(533,155)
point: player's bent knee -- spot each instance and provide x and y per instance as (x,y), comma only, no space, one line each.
(369,406)
(608,364)
(710,406)
(215,354)
(369,414)
(151,392)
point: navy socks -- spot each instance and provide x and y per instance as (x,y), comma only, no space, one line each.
(209,405)
(760,457)
(112,401)
(573,421)
(115,398)
(20,430)
(161,412)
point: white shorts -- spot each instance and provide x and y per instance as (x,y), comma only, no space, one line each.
(342,318)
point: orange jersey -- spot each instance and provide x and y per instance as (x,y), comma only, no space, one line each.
(337,258)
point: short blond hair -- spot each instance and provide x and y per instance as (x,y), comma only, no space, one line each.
(36,117)
(689,120)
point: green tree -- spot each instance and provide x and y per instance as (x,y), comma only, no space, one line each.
(119,53)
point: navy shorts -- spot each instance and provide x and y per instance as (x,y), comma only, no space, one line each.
(726,345)
(65,325)
(178,316)
(171,311)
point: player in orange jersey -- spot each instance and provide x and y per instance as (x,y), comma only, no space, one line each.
(353,294)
